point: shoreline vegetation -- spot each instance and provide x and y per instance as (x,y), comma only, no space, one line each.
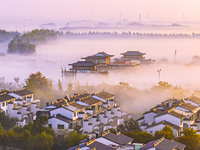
(26,43)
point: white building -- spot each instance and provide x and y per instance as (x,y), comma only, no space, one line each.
(175,113)
(95,112)
(20,104)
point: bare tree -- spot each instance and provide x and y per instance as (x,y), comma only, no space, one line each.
(16,79)
(2,79)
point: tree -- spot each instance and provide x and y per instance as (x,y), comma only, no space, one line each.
(70,86)
(191,139)
(60,86)
(43,141)
(167,132)
(131,125)
(16,79)
(139,136)
(37,81)
(112,130)
(73,138)
(6,121)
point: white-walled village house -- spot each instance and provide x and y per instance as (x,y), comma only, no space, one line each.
(95,112)
(179,114)
(20,104)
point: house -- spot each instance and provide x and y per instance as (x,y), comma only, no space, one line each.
(163,144)
(107,141)
(99,58)
(84,67)
(133,55)
(94,112)
(20,104)
(179,114)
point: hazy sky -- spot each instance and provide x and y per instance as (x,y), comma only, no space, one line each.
(62,10)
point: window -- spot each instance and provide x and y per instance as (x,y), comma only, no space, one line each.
(3,104)
(50,125)
(6,111)
(75,114)
(60,126)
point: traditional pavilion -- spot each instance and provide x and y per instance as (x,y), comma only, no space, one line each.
(133,55)
(99,58)
(83,67)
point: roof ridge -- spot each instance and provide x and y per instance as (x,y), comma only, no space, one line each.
(191,96)
(158,142)
(18,90)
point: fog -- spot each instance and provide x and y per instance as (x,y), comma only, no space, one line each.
(50,58)
(157,17)
(153,10)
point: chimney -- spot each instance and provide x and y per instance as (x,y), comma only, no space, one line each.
(54,115)
(47,104)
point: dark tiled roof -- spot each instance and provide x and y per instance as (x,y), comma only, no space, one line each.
(22,92)
(165,123)
(180,145)
(141,118)
(59,103)
(173,113)
(6,97)
(83,64)
(163,144)
(133,53)
(105,95)
(100,146)
(63,118)
(189,106)
(166,145)
(98,55)
(194,99)
(77,105)
(3,91)
(90,100)
(119,139)
(79,96)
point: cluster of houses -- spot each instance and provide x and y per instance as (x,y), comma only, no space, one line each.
(178,114)
(94,112)
(20,104)
(102,61)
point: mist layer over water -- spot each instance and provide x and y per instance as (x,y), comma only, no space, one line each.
(49,59)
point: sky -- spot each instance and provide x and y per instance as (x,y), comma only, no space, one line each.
(62,10)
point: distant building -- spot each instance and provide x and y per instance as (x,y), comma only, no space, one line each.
(83,67)
(20,104)
(133,55)
(162,144)
(99,58)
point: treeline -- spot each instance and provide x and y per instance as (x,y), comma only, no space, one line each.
(26,43)
(129,35)
(36,136)
(6,35)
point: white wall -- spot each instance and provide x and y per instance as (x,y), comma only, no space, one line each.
(160,127)
(55,122)
(63,111)
(149,117)
(168,118)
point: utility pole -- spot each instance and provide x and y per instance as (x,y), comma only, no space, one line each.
(175,54)
(159,74)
